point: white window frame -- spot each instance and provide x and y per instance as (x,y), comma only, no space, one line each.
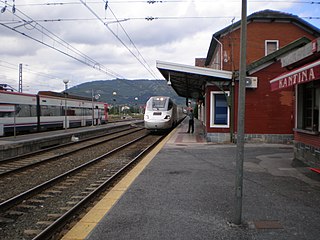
(266,46)
(212,103)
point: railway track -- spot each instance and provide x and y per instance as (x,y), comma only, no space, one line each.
(16,164)
(38,170)
(41,210)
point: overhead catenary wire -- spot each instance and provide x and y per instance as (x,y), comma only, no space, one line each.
(79,56)
(96,65)
(165,2)
(7,65)
(152,18)
(122,19)
(26,69)
(119,39)
(145,64)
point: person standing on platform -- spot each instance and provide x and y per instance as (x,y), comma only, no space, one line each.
(191,121)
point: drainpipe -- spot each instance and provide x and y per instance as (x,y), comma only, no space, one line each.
(221,54)
(232,110)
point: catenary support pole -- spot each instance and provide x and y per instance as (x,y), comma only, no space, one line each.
(241,117)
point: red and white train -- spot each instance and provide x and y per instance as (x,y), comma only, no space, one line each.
(21,112)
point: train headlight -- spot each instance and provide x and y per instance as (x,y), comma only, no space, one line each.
(167,117)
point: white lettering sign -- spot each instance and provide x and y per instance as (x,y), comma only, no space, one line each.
(300,77)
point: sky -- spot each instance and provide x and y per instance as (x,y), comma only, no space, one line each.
(79,41)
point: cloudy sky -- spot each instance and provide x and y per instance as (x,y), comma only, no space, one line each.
(83,41)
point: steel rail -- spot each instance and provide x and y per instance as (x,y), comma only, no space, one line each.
(18,157)
(35,190)
(42,161)
(61,221)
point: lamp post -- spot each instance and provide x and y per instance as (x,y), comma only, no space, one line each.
(114,94)
(94,97)
(136,99)
(65,81)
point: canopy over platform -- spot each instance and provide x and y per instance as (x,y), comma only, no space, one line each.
(190,81)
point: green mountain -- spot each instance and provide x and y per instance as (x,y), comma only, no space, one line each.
(130,92)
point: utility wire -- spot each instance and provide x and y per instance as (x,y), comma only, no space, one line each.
(44,31)
(149,18)
(116,36)
(120,19)
(12,68)
(166,1)
(144,63)
(26,69)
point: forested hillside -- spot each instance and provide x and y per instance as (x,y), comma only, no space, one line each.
(127,91)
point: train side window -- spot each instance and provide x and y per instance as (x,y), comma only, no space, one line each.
(55,111)
(23,110)
(76,111)
(6,114)
(45,111)
(170,105)
(33,110)
(72,111)
(18,110)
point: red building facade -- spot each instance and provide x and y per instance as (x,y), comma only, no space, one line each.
(302,77)
(270,115)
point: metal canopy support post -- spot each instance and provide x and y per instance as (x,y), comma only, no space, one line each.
(241,117)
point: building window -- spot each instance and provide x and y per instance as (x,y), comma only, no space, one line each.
(219,117)
(309,106)
(271,46)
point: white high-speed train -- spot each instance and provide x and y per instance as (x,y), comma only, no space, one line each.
(21,112)
(162,113)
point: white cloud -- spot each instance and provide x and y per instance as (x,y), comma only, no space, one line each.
(173,37)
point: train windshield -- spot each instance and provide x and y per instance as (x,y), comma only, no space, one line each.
(158,103)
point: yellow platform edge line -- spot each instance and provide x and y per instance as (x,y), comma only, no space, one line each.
(82,229)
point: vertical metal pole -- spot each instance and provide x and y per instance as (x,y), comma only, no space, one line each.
(14,122)
(65,111)
(92,107)
(20,77)
(65,108)
(65,81)
(241,115)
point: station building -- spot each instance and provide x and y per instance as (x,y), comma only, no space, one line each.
(302,79)
(213,81)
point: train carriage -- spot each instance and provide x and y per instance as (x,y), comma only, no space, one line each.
(20,112)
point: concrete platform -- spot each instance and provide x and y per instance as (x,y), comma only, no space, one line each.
(21,144)
(186,191)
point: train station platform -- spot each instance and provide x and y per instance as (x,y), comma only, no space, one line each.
(21,144)
(186,188)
